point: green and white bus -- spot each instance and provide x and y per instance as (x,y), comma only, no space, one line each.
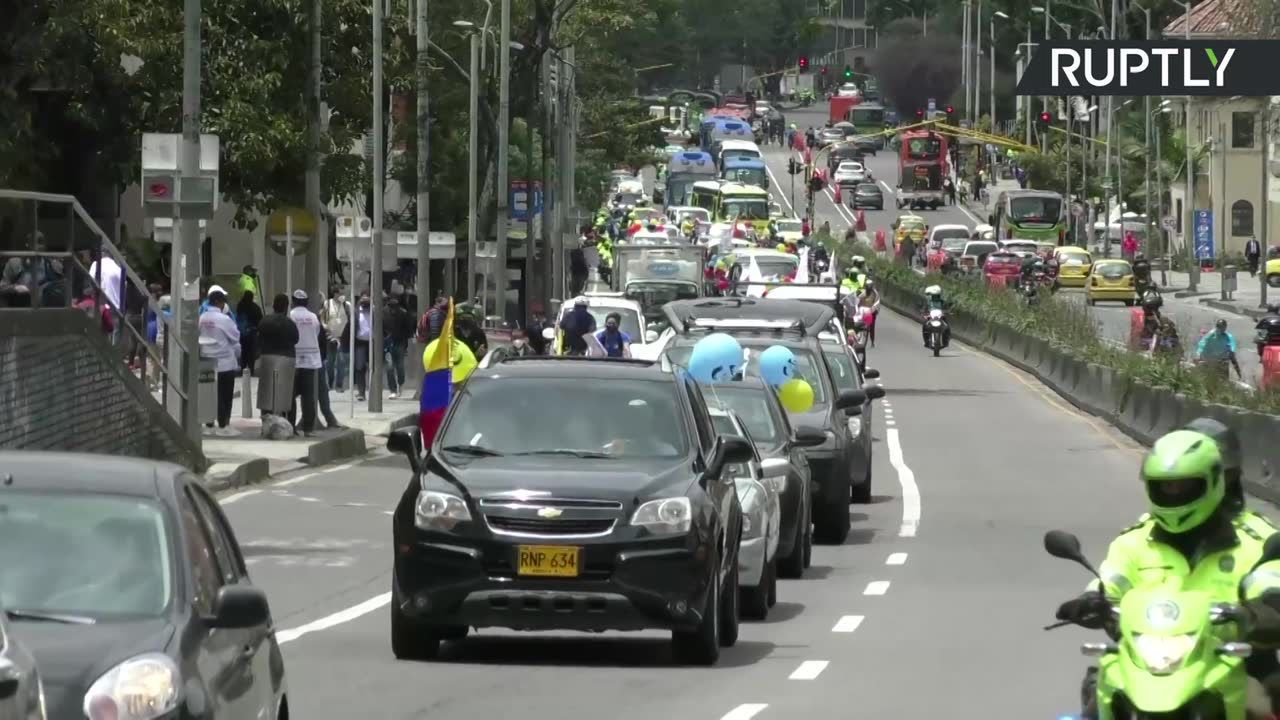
(1038,215)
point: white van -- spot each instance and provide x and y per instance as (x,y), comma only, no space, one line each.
(738,149)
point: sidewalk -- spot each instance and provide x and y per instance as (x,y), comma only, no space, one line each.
(247,458)
(1245,301)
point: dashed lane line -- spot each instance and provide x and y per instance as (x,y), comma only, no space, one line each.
(896,559)
(809,670)
(238,496)
(877,587)
(746,711)
(294,481)
(847,624)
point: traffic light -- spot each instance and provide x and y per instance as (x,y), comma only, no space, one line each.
(1045,119)
(804,63)
(824,69)
(919,113)
(848,73)
(951,114)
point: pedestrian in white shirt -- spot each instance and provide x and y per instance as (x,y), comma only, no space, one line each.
(307,363)
(222,342)
(112,285)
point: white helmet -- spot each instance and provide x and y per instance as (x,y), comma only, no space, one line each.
(858,260)
(933,290)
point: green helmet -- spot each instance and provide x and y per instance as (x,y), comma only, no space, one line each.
(465,311)
(1183,475)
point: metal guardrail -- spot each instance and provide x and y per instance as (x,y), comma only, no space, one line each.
(97,246)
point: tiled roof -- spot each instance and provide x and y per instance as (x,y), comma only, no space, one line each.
(1215,18)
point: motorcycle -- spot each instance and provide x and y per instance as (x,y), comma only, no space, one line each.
(936,327)
(1031,292)
(862,322)
(1174,658)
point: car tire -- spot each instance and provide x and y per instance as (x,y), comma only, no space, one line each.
(701,646)
(730,614)
(792,566)
(454,633)
(861,494)
(755,600)
(409,639)
(832,523)
(773,582)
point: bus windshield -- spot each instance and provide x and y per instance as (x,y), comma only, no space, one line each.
(748,176)
(923,148)
(745,208)
(867,117)
(1035,209)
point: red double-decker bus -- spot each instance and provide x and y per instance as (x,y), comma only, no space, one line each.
(922,166)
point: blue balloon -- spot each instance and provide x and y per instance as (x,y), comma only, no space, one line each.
(715,359)
(778,365)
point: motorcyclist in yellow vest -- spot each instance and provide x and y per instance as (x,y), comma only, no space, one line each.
(856,276)
(1194,535)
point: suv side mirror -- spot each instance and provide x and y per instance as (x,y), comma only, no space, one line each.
(807,437)
(650,336)
(874,392)
(848,399)
(240,606)
(735,450)
(871,374)
(408,442)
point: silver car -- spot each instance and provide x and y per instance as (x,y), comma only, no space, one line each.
(761,523)
(21,693)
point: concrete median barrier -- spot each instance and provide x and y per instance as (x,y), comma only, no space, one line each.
(1258,434)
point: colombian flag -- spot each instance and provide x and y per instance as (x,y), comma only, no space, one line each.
(437,382)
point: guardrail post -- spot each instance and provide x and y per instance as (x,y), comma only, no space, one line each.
(246,393)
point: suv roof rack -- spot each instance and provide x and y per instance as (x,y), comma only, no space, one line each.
(503,359)
(757,324)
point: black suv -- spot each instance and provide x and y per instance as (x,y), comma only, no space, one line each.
(840,469)
(617,514)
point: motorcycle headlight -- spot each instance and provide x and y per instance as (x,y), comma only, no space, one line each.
(439,510)
(1164,654)
(667,516)
(140,688)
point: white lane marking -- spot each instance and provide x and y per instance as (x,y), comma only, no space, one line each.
(847,624)
(876,587)
(338,618)
(746,711)
(238,496)
(338,468)
(294,481)
(889,423)
(910,492)
(896,559)
(773,182)
(309,499)
(388,512)
(809,670)
(964,209)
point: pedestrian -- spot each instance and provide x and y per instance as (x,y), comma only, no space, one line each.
(88,303)
(248,282)
(1129,246)
(363,328)
(536,325)
(220,339)
(432,321)
(334,315)
(277,342)
(1253,255)
(617,344)
(398,328)
(950,188)
(248,317)
(306,363)
(322,383)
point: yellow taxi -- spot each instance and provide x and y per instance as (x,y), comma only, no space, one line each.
(1111,280)
(1074,264)
(909,225)
(1272,269)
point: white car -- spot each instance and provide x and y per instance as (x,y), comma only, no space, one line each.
(848,90)
(830,136)
(947,231)
(790,229)
(1021,248)
(761,522)
(850,172)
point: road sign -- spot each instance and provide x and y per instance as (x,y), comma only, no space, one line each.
(165,193)
(1168,222)
(1077,210)
(933,105)
(1204,235)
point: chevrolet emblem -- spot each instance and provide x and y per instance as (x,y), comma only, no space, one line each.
(549,512)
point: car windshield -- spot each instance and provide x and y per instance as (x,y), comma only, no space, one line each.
(790,226)
(775,266)
(980,248)
(751,405)
(808,370)
(1114,271)
(843,374)
(86,555)
(630,319)
(954,244)
(850,167)
(1074,258)
(614,417)
(945,234)
(627,198)
(1035,209)
(745,208)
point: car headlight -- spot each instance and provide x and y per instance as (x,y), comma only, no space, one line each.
(140,688)
(667,516)
(1163,654)
(439,510)
(753,523)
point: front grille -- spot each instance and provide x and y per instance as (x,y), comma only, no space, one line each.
(546,527)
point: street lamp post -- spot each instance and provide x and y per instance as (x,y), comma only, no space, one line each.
(977,66)
(503,189)
(375,266)
(991,44)
(472,149)
(1193,271)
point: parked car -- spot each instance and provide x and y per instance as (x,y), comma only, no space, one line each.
(621,516)
(21,690)
(126,582)
(867,195)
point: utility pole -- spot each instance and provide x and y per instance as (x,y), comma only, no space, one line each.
(1264,216)
(991,46)
(964,57)
(472,170)
(503,189)
(421,67)
(318,257)
(375,266)
(185,260)
(977,65)
(1153,218)
(550,193)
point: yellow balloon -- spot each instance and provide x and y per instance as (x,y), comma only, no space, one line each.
(796,395)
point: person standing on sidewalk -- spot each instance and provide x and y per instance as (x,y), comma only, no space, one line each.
(307,363)
(248,317)
(363,328)
(277,340)
(432,321)
(334,315)
(1253,255)
(220,330)
(399,331)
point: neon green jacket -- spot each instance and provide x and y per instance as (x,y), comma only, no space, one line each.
(1228,567)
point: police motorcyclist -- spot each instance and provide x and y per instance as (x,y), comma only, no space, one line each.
(856,275)
(933,301)
(466,327)
(1268,329)
(1219,346)
(1193,522)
